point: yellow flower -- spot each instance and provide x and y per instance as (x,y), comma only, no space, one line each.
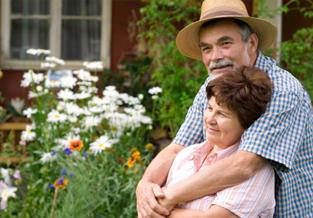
(131,163)
(149,146)
(133,150)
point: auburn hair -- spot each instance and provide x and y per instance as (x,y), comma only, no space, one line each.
(246,91)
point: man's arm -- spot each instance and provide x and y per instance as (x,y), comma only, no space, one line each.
(223,174)
(149,186)
(214,212)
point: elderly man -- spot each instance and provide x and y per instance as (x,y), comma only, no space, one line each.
(225,37)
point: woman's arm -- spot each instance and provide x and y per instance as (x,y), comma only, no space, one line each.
(214,212)
(223,174)
(149,186)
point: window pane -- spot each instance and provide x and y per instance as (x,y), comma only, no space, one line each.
(30,7)
(81,7)
(81,40)
(26,34)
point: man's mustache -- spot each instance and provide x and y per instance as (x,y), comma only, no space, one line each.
(219,64)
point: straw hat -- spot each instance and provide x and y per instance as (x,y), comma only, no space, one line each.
(187,40)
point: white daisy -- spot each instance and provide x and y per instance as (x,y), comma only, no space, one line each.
(44,65)
(68,82)
(66,95)
(7,192)
(29,112)
(84,75)
(37,51)
(82,95)
(30,76)
(96,65)
(28,134)
(100,144)
(92,121)
(54,116)
(55,60)
(48,157)
(155,90)
(53,84)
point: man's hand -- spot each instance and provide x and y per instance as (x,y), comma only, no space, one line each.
(147,205)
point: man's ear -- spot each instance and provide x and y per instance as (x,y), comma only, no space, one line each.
(253,43)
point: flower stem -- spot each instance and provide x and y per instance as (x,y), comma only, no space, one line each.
(54,201)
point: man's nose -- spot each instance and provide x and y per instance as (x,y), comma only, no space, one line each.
(217,54)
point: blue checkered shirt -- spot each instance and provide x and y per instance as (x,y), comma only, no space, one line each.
(283,135)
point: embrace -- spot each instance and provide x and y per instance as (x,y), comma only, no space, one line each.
(245,148)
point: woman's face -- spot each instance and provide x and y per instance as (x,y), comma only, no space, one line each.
(222,125)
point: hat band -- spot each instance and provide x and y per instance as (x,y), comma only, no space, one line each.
(221,13)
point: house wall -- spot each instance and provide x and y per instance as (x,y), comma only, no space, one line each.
(122,14)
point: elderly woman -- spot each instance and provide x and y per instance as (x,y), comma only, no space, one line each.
(236,100)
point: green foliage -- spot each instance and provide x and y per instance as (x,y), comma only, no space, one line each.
(263,11)
(297,57)
(88,141)
(179,77)
(138,79)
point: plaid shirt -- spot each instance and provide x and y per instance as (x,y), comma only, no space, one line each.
(283,135)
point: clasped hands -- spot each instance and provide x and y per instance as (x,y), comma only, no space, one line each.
(153,201)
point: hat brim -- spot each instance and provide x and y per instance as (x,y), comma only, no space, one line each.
(187,40)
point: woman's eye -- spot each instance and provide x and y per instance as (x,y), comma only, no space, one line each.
(223,115)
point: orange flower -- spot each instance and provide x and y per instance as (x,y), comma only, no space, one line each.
(60,183)
(131,163)
(136,155)
(76,145)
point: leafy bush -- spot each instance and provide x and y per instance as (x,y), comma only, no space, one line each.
(86,151)
(297,57)
(179,77)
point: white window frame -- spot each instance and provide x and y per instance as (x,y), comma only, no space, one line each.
(55,17)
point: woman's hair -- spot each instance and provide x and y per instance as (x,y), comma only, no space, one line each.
(246,91)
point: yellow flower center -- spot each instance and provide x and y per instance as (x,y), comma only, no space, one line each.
(101,145)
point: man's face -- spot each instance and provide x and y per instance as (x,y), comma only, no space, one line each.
(222,47)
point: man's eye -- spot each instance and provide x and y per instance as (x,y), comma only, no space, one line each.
(205,49)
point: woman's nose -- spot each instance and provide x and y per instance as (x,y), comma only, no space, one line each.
(210,119)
